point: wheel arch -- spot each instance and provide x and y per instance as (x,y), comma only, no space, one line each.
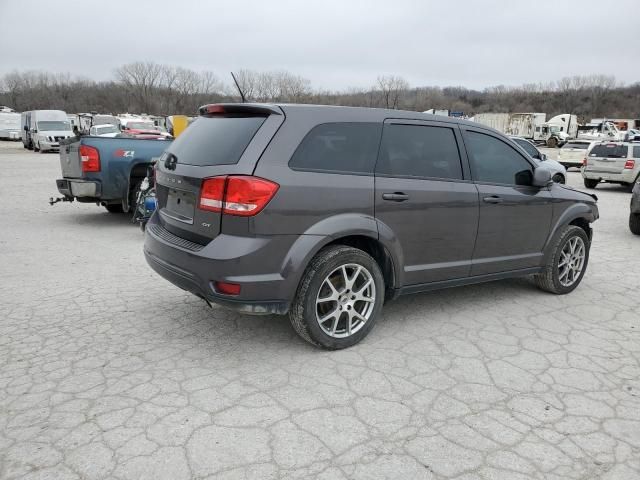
(580,215)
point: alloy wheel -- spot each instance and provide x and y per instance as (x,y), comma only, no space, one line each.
(571,261)
(346,300)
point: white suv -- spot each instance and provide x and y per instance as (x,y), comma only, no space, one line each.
(613,162)
(574,151)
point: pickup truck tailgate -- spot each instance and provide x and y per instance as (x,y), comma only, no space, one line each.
(70,162)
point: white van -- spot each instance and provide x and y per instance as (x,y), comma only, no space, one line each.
(48,127)
(9,126)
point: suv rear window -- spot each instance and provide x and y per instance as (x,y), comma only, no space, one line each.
(215,140)
(636,152)
(338,147)
(610,150)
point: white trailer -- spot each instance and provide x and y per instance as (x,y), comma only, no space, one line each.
(499,121)
(526,125)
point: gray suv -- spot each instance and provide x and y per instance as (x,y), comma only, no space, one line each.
(326,212)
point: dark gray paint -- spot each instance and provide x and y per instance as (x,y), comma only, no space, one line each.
(444,234)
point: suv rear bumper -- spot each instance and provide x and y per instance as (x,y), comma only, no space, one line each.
(627,176)
(255,263)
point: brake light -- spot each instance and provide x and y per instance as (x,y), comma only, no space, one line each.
(236,195)
(629,164)
(89,159)
(212,110)
(212,194)
(584,162)
(227,288)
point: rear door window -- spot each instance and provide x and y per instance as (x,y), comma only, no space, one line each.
(338,147)
(610,150)
(215,140)
(419,151)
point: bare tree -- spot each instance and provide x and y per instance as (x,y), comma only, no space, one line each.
(391,87)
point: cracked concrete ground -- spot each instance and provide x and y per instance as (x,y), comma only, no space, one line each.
(108,371)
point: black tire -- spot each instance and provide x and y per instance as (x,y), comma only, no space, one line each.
(591,183)
(548,280)
(114,208)
(558,178)
(24,146)
(634,223)
(303,309)
(552,142)
(35,149)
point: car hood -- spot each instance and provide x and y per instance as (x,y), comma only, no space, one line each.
(580,193)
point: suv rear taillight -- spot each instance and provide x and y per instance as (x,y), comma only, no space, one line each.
(629,164)
(236,195)
(584,162)
(89,159)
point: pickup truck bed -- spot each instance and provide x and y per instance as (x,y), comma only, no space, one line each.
(123,164)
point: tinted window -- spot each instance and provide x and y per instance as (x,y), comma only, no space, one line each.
(215,140)
(530,149)
(610,150)
(419,151)
(496,162)
(636,152)
(338,147)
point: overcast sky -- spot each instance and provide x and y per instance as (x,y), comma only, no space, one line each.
(334,43)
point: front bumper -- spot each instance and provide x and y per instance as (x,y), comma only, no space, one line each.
(627,176)
(79,188)
(258,264)
(46,145)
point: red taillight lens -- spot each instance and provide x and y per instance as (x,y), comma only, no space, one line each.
(584,162)
(227,288)
(629,164)
(212,194)
(246,196)
(236,195)
(89,158)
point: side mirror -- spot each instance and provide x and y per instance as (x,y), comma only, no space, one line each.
(541,177)
(543,157)
(26,129)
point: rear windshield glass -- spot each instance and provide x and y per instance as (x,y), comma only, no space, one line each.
(581,146)
(215,140)
(610,151)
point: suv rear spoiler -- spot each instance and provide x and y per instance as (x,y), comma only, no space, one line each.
(246,108)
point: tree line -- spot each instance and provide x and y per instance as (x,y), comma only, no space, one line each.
(148,87)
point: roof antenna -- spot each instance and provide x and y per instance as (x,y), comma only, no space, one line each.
(244,100)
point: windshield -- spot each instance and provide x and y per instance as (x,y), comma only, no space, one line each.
(107,129)
(141,126)
(54,125)
(578,145)
(610,150)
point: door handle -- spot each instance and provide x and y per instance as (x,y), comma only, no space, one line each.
(493,199)
(395,197)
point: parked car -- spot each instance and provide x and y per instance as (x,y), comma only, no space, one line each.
(105,171)
(325,212)
(9,126)
(634,214)
(48,127)
(105,130)
(143,128)
(612,162)
(573,152)
(558,172)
